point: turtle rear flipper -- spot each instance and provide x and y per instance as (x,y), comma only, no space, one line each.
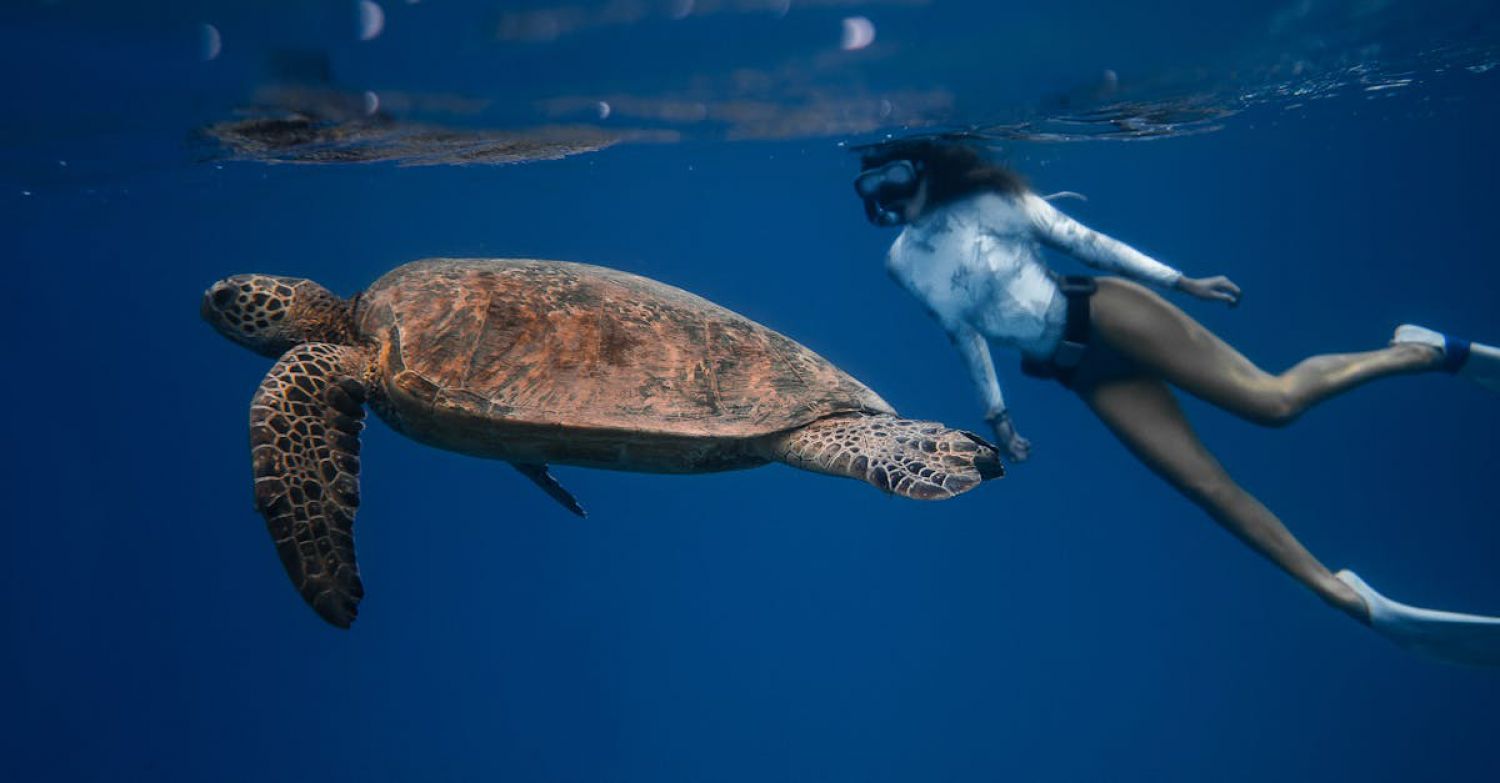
(305,421)
(924,460)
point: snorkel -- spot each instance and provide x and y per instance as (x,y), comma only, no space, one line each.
(886,188)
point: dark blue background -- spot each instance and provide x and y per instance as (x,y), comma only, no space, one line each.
(1075,621)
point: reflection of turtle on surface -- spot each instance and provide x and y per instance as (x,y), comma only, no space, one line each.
(537,362)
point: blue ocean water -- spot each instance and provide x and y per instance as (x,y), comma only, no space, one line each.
(1075,621)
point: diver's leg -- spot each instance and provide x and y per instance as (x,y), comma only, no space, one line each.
(1154,333)
(1143,413)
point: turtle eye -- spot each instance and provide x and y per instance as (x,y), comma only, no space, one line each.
(222,297)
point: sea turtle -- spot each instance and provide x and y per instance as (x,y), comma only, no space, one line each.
(538,362)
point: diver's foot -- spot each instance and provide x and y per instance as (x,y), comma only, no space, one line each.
(1449,636)
(1343,597)
(1431,343)
(1476,362)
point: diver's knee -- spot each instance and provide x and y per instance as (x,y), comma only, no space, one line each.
(1276,408)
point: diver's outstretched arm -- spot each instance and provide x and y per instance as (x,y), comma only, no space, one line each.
(976,354)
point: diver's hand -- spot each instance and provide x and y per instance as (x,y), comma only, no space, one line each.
(1012,445)
(1218,288)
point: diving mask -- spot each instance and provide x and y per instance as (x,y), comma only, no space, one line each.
(885,188)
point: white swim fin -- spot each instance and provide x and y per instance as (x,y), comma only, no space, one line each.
(1449,636)
(1477,362)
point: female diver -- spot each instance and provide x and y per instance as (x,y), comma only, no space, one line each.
(970,251)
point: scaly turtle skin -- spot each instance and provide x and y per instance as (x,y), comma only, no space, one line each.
(539,362)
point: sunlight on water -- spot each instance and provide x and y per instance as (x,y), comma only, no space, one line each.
(371,20)
(211,44)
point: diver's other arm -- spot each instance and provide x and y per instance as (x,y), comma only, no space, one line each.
(1105,252)
(1218,288)
(1059,231)
(976,354)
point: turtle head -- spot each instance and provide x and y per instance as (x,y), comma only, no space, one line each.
(270,314)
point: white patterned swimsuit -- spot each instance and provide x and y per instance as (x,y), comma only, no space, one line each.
(977,265)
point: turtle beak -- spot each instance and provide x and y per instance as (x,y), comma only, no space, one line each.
(215,297)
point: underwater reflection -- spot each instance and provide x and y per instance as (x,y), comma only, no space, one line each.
(297,137)
(548,24)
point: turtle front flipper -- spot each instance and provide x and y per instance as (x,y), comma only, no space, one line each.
(924,460)
(550,485)
(304,444)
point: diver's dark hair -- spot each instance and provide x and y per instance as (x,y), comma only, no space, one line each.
(953,168)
